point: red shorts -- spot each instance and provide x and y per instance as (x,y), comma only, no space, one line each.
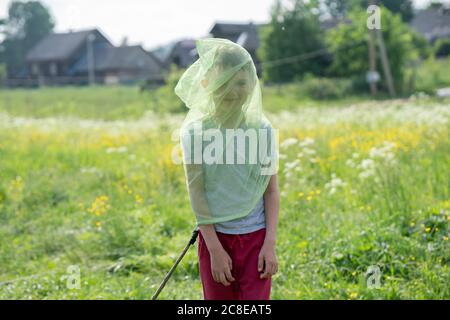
(243,250)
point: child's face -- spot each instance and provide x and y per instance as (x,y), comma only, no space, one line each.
(234,93)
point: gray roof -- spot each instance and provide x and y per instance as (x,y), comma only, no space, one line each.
(185,52)
(245,34)
(182,52)
(122,58)
(432,23)
(163,52)
(60,46)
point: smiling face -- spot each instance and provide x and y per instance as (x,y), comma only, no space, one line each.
(234,92)
(230,81)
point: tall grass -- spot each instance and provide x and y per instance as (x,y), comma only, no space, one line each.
(362,185)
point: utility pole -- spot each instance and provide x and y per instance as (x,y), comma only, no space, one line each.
(372,75)
(372,63)
(385,63)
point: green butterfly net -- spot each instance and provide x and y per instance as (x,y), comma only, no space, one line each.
(229,146)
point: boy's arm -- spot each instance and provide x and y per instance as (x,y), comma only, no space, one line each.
(267,260)
(199,204)
(221,263)
(271,206)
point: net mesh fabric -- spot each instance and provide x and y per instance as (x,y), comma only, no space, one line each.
(228,144)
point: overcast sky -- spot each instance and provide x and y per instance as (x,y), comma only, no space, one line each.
(153,22)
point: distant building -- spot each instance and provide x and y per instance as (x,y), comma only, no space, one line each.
(244,34)
(86,56)
(432,23)
(181,53)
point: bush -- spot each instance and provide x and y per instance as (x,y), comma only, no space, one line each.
(163,98)
(326,88)
(433,74)
(442,48)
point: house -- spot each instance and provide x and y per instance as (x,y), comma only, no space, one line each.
(244,34)
(124,64)
(181,53)
(432,23)
(81,57)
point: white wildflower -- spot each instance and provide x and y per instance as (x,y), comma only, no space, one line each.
(122,149)
(292,164)
(288,142)
(306,142)
(334,184)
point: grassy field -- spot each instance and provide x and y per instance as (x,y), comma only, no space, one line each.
(87,180)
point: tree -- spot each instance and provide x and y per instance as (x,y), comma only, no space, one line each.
(27,23)
(402,7)
(293,31)
(353,62)
(435,4)
(340,8)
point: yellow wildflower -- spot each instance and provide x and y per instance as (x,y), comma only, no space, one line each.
(99,206)
(353,295)
(139,199)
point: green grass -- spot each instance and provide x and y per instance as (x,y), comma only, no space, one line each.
(80,187)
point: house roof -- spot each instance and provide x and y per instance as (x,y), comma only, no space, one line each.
(245,34)
(163,52)
(60,46)
(432,23)
(183,51)
(121,58)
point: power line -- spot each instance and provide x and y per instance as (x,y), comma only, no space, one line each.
(308,55)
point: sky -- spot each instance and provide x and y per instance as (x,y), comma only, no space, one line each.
(152,23)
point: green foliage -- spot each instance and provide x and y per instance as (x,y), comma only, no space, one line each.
(106,197)
(339,8)
(433,74)
(442,48)
(326,88)
(163,98)
(353,62)
(27,23)
(402,7)
(423,47)
(292,32)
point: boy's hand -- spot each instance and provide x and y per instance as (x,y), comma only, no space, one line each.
(221,265)
(267,261)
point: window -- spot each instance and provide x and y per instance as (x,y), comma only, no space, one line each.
(34,68)
(53,69)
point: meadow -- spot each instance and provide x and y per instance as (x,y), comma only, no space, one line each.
(87,181)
